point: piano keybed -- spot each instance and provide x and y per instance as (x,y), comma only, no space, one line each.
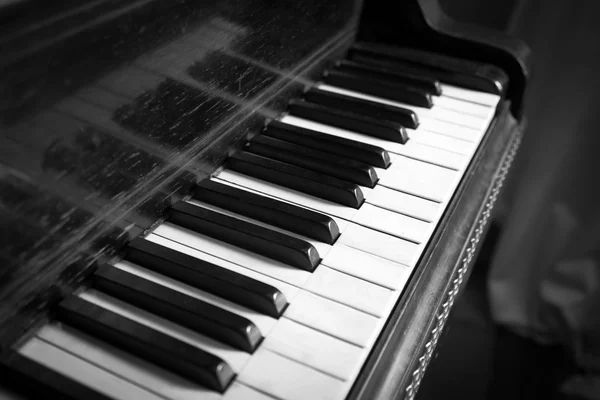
(276,277)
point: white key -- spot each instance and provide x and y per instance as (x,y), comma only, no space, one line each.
(286,289)
(351,291)
(365,191)
(263,322)
(286,194)
(442,142)
(367,266)
(435,112)
(341,223)
(333,318)
(406,204)
(380,244)
(144,374)
(275,269)
(313,348)
(235,358)
(461,106)
(393,223)
(322,248)
(288,380)
(410,149)
(452,130)
(238,391)
(420,179)
(83,372)
(434,155)
(473,96)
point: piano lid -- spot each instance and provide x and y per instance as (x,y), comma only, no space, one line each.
(109,109)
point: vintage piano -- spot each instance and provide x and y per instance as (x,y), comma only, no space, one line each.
(242,199)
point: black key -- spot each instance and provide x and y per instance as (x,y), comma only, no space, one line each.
(378,87)
(37,381)
(478,76)
(267,242)
(369,154)
(403,116)
(271,211)
(179,308)
(387,130)
(300,179)
(146,343)
(428,84)
(340,167)
(211,278)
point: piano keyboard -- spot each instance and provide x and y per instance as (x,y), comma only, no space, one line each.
(274,280)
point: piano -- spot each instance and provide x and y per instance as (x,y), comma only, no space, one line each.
(242,199)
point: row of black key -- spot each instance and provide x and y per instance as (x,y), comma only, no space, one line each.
(322,165)
(195,314)
(404,61)
(311,162)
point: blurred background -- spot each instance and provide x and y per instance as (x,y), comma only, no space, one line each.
(528,324)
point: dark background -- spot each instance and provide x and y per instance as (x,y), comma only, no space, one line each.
(557,167)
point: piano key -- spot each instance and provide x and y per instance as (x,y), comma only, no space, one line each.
(284,215)
(327,354)
(369,56)
(286,379)
(120,363)
(420,179)
(428,84)
(238,391)
(433,86)
(347,120)
(377,87)
(316,160)
(381,244)
(206,276)
(452,130)
(234,357)
(286,289)
(146,343)
(369,267)
(322,248)
(372,155)
(23,378)
(474,96)
(333,318)
(341,223)
(300,179)
(80,379)
(465,107)
(283,193)
(436,156)
(438,113)
(411,149)
(257,239)
(392,223)
(179,308)
(216,248)
(351,291)
(262,321)
(448,143)
(399,202)
(406,118)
